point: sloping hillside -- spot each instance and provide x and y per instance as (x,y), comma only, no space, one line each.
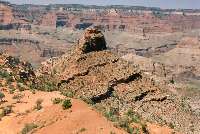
(117,88)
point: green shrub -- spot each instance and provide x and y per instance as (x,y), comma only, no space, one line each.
(144,128)
(133,116)
(19,80)
(28,128)
(68,93)
(9,80)
(33,86)
(44,83)
(171,125)
(66,104)
(172,81)
(38,105)
(18,97)
(21,87)
(4,74)
(2,96)
(82,130)
(12,61)
(7,76)
(33,91)
(57,100)
(112,114)
(6,110)
(11,91)
(49,86)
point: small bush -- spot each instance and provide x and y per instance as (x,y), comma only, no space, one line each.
(9,80)
(57,100)
(144,128)
(2,96)
(44,84)
(12,61)
(33,91)
(49,86)
(171,125)
(28,128)
(133,116)
(82,130)
(6,110)
(21,87)
(38,104)
(18,97)
(4,74)
(11,91)
(172,81)
(19,80)
(66,104)
(112,114)
(69,94)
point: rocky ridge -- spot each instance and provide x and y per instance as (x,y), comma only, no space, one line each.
(108,82)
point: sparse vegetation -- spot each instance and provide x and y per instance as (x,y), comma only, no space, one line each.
(171,125)
(126,120)
(66,104)
(12,61)
(133,116)
(21,87)
(1,96)
(172,81)
(68,93)
(18,97)
(11,91)
(111,114)
(6,110)
(7,76)
(4,74)
(57,100)
(81,130)
(105,80)
(38,105)
(28,128)
(44,84)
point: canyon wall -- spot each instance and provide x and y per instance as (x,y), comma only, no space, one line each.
(123,21)
(106,18)
(6,15)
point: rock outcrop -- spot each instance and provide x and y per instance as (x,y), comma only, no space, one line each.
(107,81)
(93,40)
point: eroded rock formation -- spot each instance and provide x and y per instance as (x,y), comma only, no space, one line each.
(93,40)
(108,82)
